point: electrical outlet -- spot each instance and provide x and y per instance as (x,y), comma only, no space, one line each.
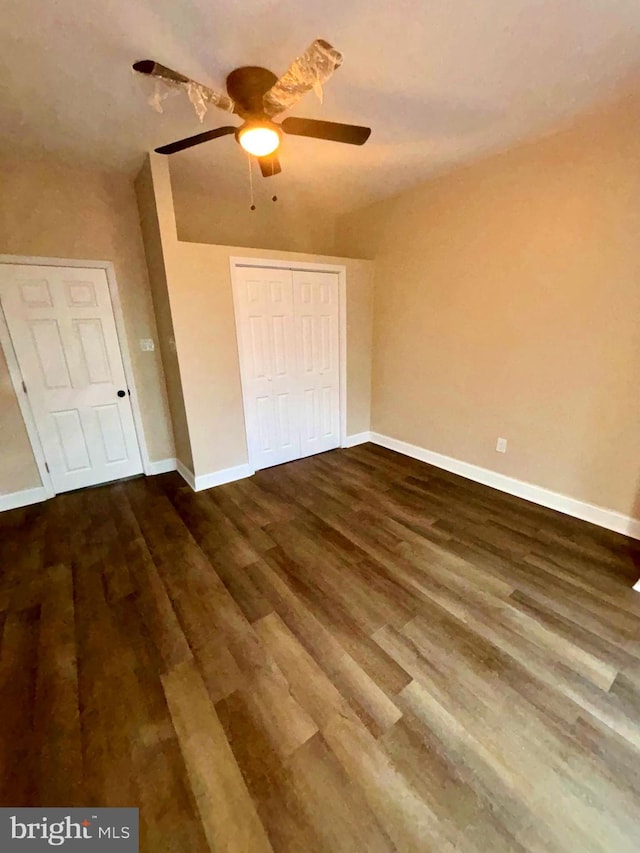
(147,345)
(501,445)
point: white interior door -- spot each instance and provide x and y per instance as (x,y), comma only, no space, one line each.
(288,338)
(268,364)
(315,299)
(63,332)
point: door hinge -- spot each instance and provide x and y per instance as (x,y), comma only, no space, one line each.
(46,465)
(24,387)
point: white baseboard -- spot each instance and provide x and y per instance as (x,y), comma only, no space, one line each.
(225,475)
(607,518)
(186,474)
(215,478)
(160,466)
(14,500)
(26,497)
(357,438)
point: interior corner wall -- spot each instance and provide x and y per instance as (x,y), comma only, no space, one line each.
(201,300)
(152,239)
(507,303)
(50,209)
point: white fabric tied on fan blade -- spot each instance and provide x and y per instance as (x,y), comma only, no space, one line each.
(196,96)
(200,96)
(155,90)
(309,71)
(159,94)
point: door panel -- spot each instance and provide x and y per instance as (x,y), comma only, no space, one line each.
(317,332)
(279,348)
(284,419)
(81,294)
(63,332)
(112,432)
(47,343)
(72,440)
(268,361)
(93,351)
(289,353)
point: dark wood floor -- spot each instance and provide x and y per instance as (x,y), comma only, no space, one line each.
(352,652)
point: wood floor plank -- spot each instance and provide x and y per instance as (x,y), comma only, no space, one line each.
(311,687)
(423,759)
(490,748)
(18,664)
(334,805)
(103,683)
(406,818)
(227,811)
(271,703)
(265,773)
(338,621)
(169,816)
(365,697)
(57,710)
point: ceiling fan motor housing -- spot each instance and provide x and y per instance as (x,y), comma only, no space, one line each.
(246,86)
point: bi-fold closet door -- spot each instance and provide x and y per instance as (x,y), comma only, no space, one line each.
(288,337)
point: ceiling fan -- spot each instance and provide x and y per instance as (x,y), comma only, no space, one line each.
(258,96)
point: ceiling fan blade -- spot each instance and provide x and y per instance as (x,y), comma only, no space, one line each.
(155,69)
(269,165)
(198,92)
(307,72)
(352,134)
(190,141)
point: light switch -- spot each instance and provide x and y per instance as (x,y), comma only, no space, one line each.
(147,345)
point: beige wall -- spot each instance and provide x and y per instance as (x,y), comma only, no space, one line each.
(18,469)
(203,318)
(290,224)
(507,303)
(52,210)
(152,239)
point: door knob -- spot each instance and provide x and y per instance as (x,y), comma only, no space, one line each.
(122,393)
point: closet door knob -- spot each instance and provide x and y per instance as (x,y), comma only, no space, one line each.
(122,393)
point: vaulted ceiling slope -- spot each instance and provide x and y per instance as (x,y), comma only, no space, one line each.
(440,83)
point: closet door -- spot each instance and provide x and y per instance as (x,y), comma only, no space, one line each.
(264,302)
(315,303)
(288,340)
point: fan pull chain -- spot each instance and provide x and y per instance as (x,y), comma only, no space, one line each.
(253,207)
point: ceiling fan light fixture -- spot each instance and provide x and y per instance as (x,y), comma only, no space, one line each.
(259,139)
(257,96)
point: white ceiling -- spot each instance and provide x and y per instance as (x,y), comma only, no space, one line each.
(440,82)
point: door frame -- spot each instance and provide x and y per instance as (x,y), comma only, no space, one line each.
(16,375)
(280,264)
